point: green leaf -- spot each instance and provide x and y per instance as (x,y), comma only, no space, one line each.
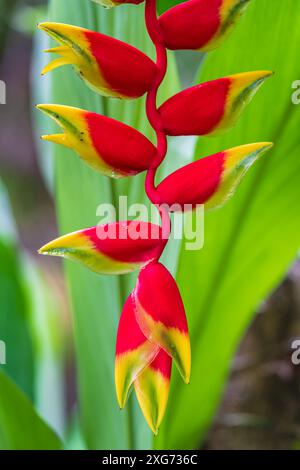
(97,300)
(14,307)
(50,342)
(164,5)
(20,426)
(250,244)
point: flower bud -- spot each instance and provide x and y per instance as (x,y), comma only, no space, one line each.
(161,316)
(133,352)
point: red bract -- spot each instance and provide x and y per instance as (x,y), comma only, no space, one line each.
(200,24)
(141,363)
(211,180)
(92,136)
(134,352)
(161,316)
(211,106)
(153,329)
(109,66)
(115,248)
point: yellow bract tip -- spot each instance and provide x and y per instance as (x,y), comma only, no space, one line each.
(152,391)
(244,79)
(54,64)
(61,139)
(61,245)
(238,154)
(61,32)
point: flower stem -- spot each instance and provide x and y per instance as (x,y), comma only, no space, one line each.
(154,118)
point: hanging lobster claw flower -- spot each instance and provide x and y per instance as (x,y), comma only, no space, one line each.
(109,146)
(211,106)
(200,24)
(109,66)
(114,248)
(161,316)
(133,352)
(143,363)
(115,3)
(211,180)
(152,389)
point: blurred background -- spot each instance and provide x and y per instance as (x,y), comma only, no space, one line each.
(260,408)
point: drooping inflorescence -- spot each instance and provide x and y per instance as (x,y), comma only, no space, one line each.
(153,330)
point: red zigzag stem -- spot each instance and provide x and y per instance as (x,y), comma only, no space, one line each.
(154,31)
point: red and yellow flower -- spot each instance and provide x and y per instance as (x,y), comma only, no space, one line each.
(211,180)
(152,332)
(153,329)
(115,248)
(200,24)
(211,106)
(92,136)
(142,364)
(161,316)
(109,66)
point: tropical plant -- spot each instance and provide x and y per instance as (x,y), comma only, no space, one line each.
(249,244)
(153,327)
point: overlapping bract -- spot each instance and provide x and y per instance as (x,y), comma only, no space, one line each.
(161,316)
(153,330)
(142,364)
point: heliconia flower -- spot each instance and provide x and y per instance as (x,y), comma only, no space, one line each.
(211,106)
(200,24)
(109,66)
(153,329)
(161,316)
(211,180)
(109,146)
(115,3)
(133,352)
(114,248)
(152,389)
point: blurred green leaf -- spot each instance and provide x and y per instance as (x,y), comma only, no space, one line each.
(250,244)
(7,8)
(48,334)
(26,17)
(14,308)
(20,426)
(14,320)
